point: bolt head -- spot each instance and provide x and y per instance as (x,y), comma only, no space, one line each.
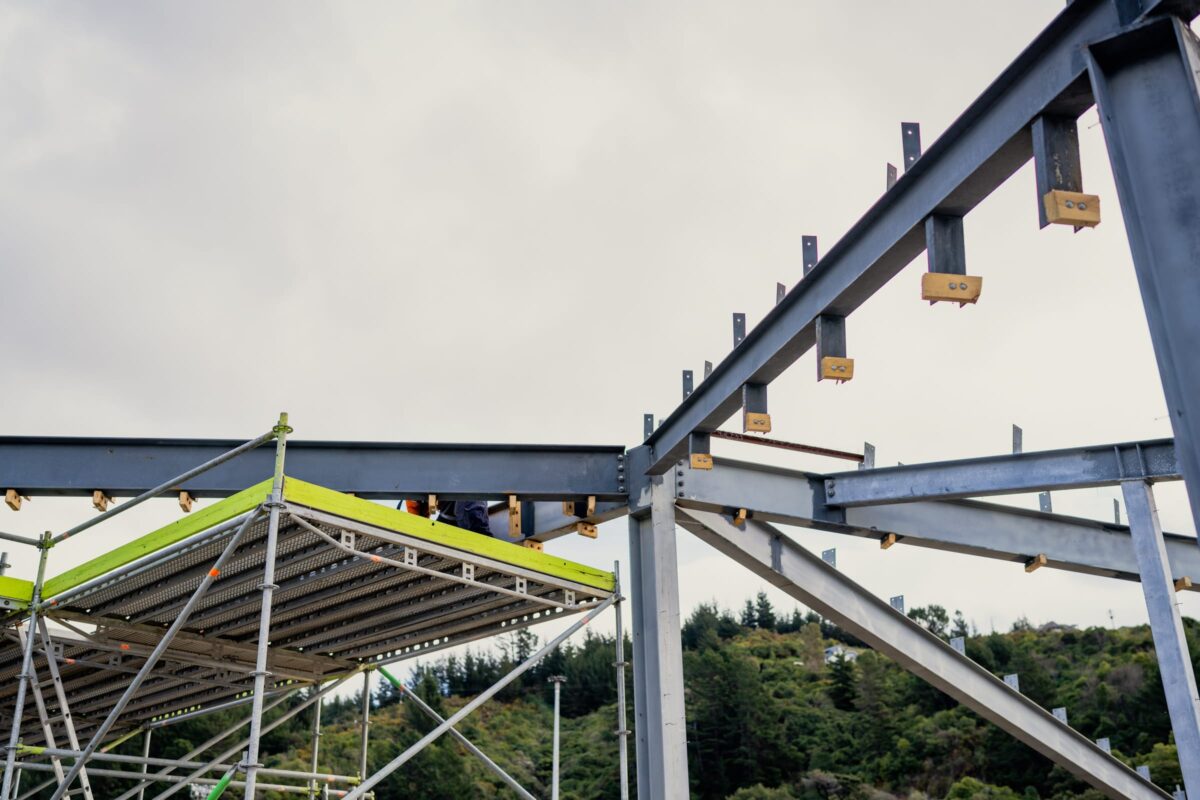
(1070,204)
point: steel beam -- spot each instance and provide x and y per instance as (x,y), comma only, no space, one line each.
(657,650)
(545,520)
(988,143)
(1073,468)
(1166,625)
(775,558)
(789,497)
(1145,83)
(74,466)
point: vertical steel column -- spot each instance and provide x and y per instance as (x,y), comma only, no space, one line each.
(365,732)
(316,743)
(658,651)
(1145,84)
(23,677)
(622,720)
(264,620)
(1170,643)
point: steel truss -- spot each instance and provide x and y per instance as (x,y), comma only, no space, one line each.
(1136,59)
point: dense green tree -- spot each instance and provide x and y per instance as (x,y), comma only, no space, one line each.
(843,679)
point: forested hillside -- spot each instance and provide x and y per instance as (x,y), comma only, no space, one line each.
(768,717)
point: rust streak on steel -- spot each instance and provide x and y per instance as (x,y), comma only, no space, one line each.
(782,445)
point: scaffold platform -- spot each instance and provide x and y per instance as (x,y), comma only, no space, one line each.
(357,583)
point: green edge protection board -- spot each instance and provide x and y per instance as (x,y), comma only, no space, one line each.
(343,505)
(168,535)
(16,589)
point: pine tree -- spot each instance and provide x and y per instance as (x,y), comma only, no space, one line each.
(764,614)
(749,616)
(842,691)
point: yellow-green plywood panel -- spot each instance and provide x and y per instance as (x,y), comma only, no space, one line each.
(16,589)
(322,499)
(177,531)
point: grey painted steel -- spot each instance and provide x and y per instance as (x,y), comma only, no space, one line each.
(772,494)
(1166,624)
(264,620)
(124,467)
(1072,468)
(316,747)
(23,679)
(174,483)
(152,659)
(364,721)
(910,135)
(1055,158)
(496,769)
(945,245)
(1145,84)
(548,520)
(988,142)
(658,653)
(774,557)
(195,751)
(808,247)
(459,715)
(622,719)
(641,704)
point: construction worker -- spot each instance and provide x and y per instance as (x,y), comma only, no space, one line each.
(470,515)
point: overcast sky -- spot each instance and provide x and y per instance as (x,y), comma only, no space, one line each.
(517,222)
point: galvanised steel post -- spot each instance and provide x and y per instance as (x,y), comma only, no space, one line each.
(26,665)
(145,766)
(152,659)
(1166,624)
(268,589)
(316,744)
(658,652)
(558,681)
(1145,84)
(365,726)
(622,721)
(60,693)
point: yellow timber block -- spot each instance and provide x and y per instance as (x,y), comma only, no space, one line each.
(185,502)
(837,369)
(533,544)
(12,499)
(754,422)
(887,541)
(1072,208)
(701,461)
(586,529)
(1037,562)
(514,517)
(961,289)
(1183,583)
(100,500)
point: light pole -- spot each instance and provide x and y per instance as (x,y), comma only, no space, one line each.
(558,681)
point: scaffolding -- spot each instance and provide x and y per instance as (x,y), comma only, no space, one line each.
(243,573)
(283,587)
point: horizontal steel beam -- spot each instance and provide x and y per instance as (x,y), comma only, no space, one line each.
(545,520)
(39,465)
(1074,468)
(988,143)
(972,528)
(775,558)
